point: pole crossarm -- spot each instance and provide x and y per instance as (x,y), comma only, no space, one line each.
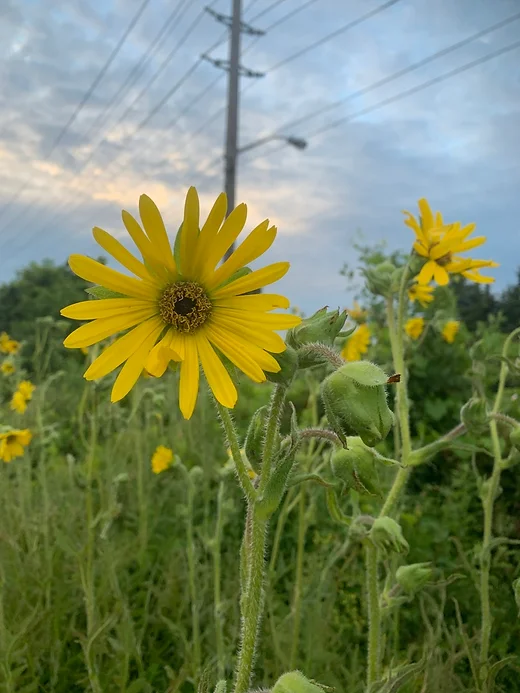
(228,21)
(225,65)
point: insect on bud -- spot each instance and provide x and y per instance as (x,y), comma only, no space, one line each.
(355,403)
(387,536)
(324,326)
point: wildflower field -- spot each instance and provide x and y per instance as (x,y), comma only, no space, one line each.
(204,490)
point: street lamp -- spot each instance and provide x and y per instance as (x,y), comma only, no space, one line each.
(296,142)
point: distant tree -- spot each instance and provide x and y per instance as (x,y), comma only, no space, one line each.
(510,305)
(475,302)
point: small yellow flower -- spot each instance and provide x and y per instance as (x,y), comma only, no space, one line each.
(422,293)
(183,305)
(26,389)
(414,327)
(450,330)
(7,368)
(357,313)
(12,346)
(162,459)
(357,344)
(84,351)
(440,243)
(18,402)
(12,444)
(4,340)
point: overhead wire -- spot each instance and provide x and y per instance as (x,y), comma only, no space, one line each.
(83,100)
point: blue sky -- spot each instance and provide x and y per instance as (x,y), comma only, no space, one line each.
(455,143)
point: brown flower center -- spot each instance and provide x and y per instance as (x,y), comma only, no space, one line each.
(444,260)
(185,305)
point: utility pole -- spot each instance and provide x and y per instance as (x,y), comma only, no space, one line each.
(237,27)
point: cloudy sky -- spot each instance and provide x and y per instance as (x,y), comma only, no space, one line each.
(455,142)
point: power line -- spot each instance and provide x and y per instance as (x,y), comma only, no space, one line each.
(85,98)
(400,73)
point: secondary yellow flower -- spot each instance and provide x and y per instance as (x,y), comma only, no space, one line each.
(422,293)
(161,459)
(357,344)
(357,313)
(7,368)
(11,346)
(182,306)
(414,327)
(18,402)
(12,444)
(450,330)
(26,389)
(440,244)
(4,339)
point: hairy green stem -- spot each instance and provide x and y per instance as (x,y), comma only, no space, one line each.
(217,599)
(234,445)
(488,507)
(190,550)
(271,433)
(374,617)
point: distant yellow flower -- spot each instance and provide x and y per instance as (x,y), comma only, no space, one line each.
(12,346)
(422,293)
(26,389)
(12,444)
(357,344)
(84,351)
(357,313)
(414,327)
(7,368)
(183,305)
(440,244)
(450,330)
(250,471)
(4,340)
(18,402)
(162,459)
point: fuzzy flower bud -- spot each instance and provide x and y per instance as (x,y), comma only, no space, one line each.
(474,415)
(357,467)
(387,536)
(288,361)
(355,402)
(413,577)
(254,444)
(295,682)
(324,326)
(381,279)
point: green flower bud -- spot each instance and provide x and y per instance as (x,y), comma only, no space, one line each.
(295,682)
(254,444)
(323,327)
(355,402)
(413,577)
(516,590)
(380,279)
(474,415)
(288,361)
(387,536)
(356,467)
(514,437)
(196,475)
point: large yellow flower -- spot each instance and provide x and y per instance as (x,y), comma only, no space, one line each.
(414,327)
(357,344)
(422,293)
(450,330)
(181,306)
(12,444)
(440,244)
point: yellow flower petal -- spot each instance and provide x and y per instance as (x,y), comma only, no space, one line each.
(93,271)
(161,355)
(189,380)
(261,337)
(95,331)
(104,308)
(121,254)
(216,374)
(133,367)
(156,231)
(209,231)
(273,321)
(189,233)
(440,275)
(121,349)
(236,353)
(227,235)
(254,280)
(149,253)
(254,302)
(255,244)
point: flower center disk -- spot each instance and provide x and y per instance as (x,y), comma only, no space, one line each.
(185,305)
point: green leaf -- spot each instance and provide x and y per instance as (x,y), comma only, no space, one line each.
(242,272)
(101,292)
